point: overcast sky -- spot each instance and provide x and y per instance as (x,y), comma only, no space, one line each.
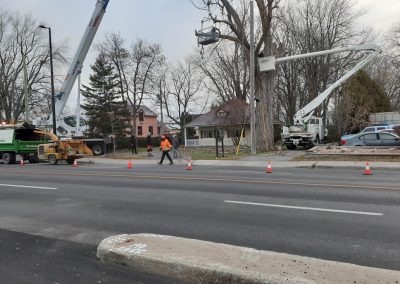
(168,22)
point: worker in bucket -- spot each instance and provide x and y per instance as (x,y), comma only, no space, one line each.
(165,147)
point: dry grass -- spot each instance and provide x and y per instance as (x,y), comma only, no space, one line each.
(208,153)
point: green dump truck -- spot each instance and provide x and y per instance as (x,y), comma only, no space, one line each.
(20,142)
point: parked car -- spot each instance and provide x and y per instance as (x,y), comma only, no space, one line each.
(371,139)
(373,128)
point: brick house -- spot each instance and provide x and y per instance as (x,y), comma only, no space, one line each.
(146,122)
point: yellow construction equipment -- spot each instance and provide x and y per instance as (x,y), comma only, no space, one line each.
(62,149)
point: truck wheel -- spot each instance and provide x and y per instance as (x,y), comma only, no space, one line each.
(70,161)
(291,146)
(33,159)
(97,149)
(52,160)
(9,158)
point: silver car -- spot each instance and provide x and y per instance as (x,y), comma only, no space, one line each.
(372,139)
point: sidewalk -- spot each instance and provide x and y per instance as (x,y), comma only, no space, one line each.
(258,161)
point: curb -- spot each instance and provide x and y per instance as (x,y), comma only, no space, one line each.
(259,164)
(207,262)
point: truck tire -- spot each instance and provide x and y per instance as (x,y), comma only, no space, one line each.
(53,160)
(9,158)
(70,161)
(33,160)
(97,149)
(290,146)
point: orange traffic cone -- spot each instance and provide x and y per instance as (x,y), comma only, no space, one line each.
(21,163)
(189,166)
(130,165)
(367,171)
(75,164)
(269,168)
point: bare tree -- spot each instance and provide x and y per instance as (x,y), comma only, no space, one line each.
(144,59)
(394,39)
(183,96)
(385,71)
(20,39)
(136,69)
(314,25)
(113,46)
(234,28)
(226,72)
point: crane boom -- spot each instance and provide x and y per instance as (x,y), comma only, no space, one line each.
(307,111)
(80,55)
(308,129)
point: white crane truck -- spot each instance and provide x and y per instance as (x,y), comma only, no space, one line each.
(74,126)
(309,130)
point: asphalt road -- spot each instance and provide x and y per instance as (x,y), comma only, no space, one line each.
(333,214)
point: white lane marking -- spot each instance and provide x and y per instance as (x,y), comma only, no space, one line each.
(306,208)
(28,186)
(254,172)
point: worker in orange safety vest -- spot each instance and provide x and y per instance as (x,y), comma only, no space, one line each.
(165,147)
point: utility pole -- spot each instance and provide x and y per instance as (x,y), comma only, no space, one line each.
(25,88)
(53,99)
(252,82)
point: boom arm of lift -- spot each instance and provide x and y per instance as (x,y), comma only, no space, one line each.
(80,55)
(304,114)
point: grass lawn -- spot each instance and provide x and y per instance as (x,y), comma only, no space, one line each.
(188,153)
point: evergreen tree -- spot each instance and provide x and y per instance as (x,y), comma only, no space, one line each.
(361,96)
(103,103)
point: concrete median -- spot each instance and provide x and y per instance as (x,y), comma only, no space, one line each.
(207,262)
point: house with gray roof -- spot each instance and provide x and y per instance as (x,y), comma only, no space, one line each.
(228,120)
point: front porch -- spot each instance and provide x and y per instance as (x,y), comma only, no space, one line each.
(206,138)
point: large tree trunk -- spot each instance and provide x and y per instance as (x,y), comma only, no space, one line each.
(265,84)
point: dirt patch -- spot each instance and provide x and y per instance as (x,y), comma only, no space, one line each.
(340,153)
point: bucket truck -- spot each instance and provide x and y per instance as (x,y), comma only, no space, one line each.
(308,129)
(68,126)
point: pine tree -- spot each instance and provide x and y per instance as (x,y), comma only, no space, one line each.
(361,96)
(103,104)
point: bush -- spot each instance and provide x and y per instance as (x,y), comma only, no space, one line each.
(125,142)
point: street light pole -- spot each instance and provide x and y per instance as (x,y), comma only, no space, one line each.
(53,100)
(252,82)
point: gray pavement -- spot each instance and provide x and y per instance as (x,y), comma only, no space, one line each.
(239,206)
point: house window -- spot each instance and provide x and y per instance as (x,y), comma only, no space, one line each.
(236,133)
(221,113)
(141,115)
(151,130)
(140,131)
(158,130)
(207,134)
